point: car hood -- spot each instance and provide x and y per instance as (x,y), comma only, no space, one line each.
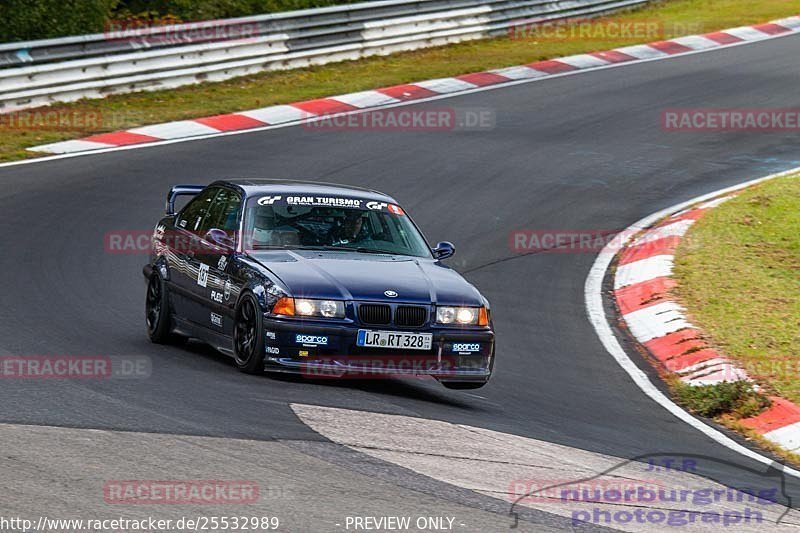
(356,276)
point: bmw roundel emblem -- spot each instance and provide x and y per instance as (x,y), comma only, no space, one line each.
(390,294)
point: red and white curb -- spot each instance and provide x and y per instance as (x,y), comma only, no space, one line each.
(354,102)
(642,284)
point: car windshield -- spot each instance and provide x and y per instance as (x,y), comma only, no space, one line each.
(323,223)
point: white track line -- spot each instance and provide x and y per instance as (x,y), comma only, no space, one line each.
(593,293)
(399,104)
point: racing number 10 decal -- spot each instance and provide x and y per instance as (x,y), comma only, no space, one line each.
(202,275)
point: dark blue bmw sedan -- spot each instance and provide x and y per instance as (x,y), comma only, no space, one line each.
(318,279)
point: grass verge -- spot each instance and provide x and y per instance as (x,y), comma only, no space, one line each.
(673,18)
(735,399)
(738,273)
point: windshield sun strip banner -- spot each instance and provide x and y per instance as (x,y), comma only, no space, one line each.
(329,201)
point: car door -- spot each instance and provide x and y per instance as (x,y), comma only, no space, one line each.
(216,290)
(183,266)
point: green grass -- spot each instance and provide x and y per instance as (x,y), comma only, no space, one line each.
(677,17)
(736,399)
(738,273)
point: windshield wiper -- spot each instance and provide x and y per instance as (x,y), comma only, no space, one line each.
(374,251)
(327,248)
(348,249)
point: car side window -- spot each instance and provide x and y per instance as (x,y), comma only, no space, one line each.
(195,211)
(223,213)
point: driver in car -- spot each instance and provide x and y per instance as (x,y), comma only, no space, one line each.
(351,229)
(266,234)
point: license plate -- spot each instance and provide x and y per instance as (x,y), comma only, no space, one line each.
(393,339)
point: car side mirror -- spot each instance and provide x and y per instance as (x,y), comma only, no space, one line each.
(220,238)
(444,250)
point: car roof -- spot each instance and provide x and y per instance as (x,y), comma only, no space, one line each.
(257,187)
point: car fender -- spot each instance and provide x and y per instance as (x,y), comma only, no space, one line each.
(265,291)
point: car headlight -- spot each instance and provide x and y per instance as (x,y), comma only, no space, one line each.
(312,308)
(465,316)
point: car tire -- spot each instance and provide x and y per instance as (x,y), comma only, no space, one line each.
(248,335)
(157,318)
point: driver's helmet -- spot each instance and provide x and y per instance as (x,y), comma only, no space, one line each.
(352,225)
(270,227)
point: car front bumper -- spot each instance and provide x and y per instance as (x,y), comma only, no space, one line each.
(336,354)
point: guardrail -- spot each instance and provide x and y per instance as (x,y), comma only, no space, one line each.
(38,73)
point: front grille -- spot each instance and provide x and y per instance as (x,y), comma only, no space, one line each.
(375,314)
(412,316)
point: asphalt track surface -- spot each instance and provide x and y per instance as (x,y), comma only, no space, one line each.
(576,152)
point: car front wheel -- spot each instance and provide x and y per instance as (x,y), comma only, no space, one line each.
(248,336)
(157,311)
